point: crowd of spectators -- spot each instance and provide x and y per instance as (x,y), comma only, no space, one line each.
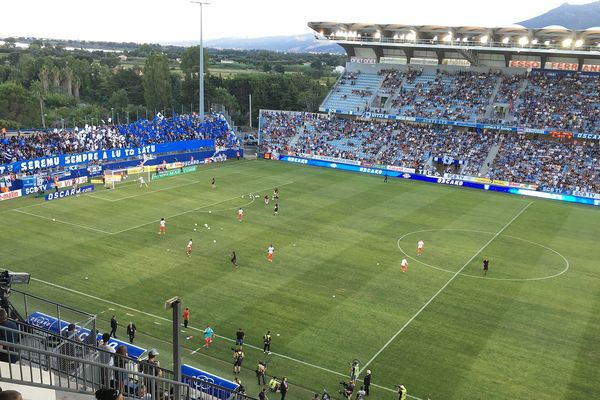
(136,134)
(565,102)
(556,165)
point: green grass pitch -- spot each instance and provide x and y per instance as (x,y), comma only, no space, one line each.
(335,291)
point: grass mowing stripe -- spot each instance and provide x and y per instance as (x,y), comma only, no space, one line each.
(198,330)
(63,222)
(407,323)
(198,208)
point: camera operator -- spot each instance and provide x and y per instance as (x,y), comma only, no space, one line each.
(348,389)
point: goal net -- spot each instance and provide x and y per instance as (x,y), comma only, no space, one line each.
(117,177)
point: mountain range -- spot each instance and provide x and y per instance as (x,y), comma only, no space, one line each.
(567,15)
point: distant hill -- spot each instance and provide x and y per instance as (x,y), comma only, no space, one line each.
(305,43)
(570,16)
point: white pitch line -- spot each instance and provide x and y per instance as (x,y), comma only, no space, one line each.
(156,323)
(62,222)
(200,330)
(195,209)
(457,273)
(195,351)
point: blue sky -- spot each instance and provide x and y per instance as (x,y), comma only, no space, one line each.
(151,21)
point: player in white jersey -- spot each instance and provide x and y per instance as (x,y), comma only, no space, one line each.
(240,214)
(188,250)
(270,252)
(142,181)
(404,264)
(420,245)
(163,226)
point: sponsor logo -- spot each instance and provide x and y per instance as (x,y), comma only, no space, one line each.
(371,171)
(333,165)
(67,193)
(452,182)
(297,160)
(486,186)
(406,176)
(10,195)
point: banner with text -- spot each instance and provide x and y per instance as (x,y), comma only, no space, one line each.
(104,155)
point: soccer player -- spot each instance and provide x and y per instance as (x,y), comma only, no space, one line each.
(420,245)
(486,264)
(142,181)
(189,248)
(163,227)
(275,194)
(240,214)
(208,336)
(404,264)
(385,179)
(276,209)
(270,251)
(212,183)
(267,199)
(233,258)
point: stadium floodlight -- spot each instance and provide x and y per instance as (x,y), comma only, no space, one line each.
(411,36)
(578,43)
(396,36)
(201,67)
(484,39)
(377,35)
(435,39)
(448,37)
(465,39)
(524,41)
(547,43)
(534,41)
(567,42)
(505,40)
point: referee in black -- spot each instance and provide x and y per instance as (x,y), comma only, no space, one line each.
(486,264)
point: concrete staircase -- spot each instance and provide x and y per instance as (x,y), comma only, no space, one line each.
(490,107)
(489,160)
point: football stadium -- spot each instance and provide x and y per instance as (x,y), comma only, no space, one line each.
(430,233)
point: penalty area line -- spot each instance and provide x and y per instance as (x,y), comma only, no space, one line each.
(457,273)
(62,222)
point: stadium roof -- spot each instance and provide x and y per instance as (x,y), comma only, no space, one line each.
(552,40)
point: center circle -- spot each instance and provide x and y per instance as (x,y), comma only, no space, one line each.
(564,260)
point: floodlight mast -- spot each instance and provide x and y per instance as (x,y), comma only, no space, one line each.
(201,68)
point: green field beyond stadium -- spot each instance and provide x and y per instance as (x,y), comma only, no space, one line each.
(335,291)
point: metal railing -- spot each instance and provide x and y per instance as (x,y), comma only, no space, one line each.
(34,357)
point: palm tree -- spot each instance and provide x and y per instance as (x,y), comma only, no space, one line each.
(37,88)
(67,79)
(55,74)
(76,86)
(44,77)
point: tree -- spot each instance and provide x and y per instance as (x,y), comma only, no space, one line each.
(157,82)
(119,100)
(279,69)
(266,67)
(17,105)
(37,89)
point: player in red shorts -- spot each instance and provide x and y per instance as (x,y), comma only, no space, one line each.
(270,251)
(163,227)
(188,250)
(404,264)
(420,245)
(240,214)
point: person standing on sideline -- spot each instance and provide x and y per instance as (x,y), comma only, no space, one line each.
(261,371)
(208,336)
(360,395)
(367,382)
(131,328)
(267,342)
(283,388)
(263,395)
(238,358)
(486,265)
(239,337)
(186,317)
(354,372)
(402,392)
(385,179)
(240,214)
(113,326)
